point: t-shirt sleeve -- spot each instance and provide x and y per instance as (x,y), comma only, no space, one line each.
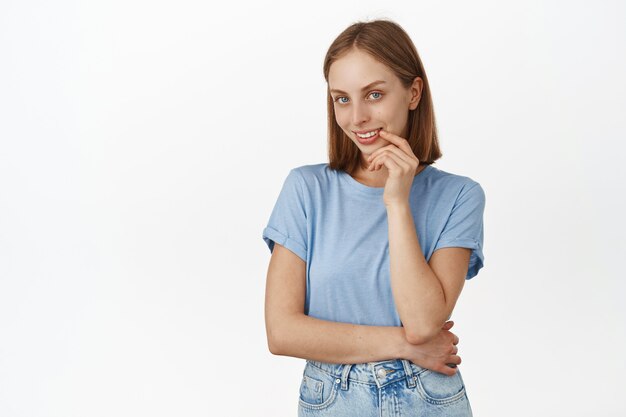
(464,228)
(287,225)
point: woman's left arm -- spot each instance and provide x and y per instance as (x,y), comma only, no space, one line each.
(424,293)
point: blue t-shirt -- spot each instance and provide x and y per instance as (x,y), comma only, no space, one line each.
(338,226)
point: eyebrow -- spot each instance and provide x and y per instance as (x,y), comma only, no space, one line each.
(367,87)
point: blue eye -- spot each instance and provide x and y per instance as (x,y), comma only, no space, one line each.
(341,99)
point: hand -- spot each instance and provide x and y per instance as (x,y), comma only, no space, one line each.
(402,165)
(437,352)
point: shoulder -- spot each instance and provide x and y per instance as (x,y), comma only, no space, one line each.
(312,169)
(443,178)
(319,174)
(455,184)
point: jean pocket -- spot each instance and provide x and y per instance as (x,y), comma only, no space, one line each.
(437,388)
(318,389)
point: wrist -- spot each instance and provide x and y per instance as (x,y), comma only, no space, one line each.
(398,207)
(401,345)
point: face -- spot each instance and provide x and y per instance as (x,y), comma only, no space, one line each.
(368,97)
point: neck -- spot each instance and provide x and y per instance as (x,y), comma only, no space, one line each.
(376,178)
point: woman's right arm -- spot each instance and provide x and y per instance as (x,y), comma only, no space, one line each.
(292,333)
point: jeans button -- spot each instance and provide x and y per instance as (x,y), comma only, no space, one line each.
(381,373)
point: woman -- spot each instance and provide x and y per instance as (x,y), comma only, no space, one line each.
(371,250)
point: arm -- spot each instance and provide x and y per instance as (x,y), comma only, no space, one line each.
(425,294)
(292,333)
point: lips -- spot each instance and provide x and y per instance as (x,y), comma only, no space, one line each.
(362,132)
(369,140)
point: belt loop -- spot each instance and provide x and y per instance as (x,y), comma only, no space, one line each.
(344,376)
(409,373)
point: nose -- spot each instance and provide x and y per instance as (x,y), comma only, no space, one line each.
(360,114)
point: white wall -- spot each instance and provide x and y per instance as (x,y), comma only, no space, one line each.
(143,145)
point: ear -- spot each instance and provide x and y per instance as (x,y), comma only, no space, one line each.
(415,92)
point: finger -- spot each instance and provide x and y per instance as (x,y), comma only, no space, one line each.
(378,151)
(392,161)
(447,370)
(392,148)
(454,360)
(380,161)
(398,141)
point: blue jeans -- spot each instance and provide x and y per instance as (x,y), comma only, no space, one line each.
(389,388)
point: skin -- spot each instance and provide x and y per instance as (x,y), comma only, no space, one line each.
(391,165)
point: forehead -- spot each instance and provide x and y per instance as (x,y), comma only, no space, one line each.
(356,69)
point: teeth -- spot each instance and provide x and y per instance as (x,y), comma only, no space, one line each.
(367,135)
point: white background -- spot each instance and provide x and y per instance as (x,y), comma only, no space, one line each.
(142,148)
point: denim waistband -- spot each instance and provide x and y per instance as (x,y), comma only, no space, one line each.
(378,373)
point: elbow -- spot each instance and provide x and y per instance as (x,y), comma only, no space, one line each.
(274,346)
(278,335)
(274,343)
(422,335)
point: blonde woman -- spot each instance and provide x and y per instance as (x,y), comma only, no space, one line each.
(370,251)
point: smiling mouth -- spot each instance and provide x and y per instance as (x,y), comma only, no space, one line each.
(367,135)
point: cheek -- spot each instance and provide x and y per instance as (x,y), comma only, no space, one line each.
(341,118)
(387,113)
(394,120)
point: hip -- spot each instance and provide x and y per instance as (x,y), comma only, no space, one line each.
(395,387)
